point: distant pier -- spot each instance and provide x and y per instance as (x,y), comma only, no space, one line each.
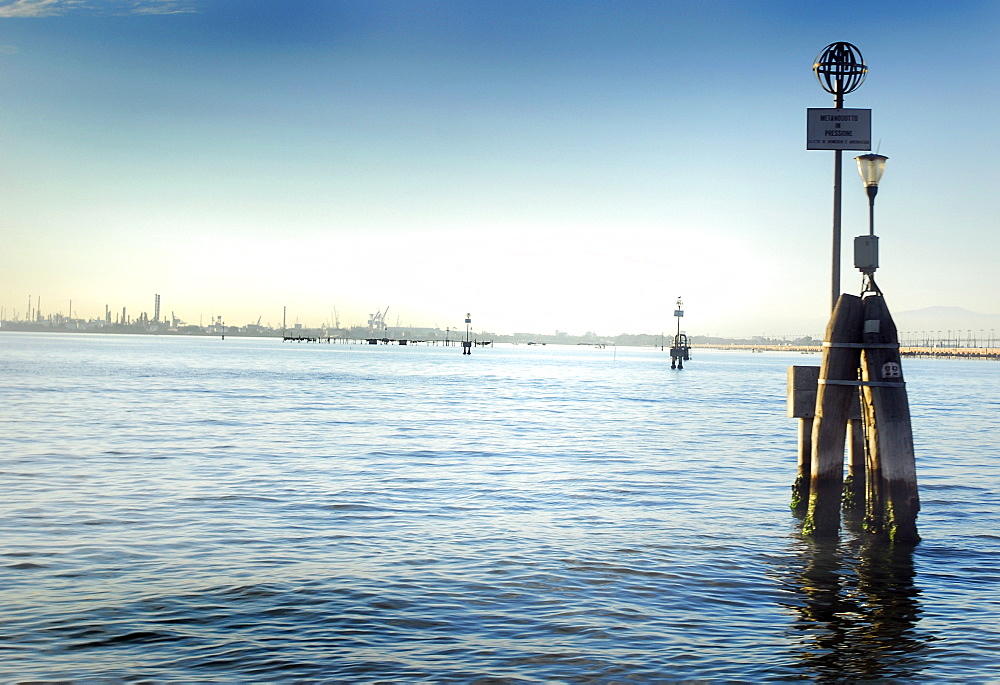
(939,352)
(345,340)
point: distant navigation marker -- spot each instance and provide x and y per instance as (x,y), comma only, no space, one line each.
(680,352)
(467,343)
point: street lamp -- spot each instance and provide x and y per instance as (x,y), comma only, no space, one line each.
(871,167)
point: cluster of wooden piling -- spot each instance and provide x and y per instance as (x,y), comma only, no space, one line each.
(858,391)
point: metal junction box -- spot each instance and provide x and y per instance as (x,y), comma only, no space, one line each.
(866,253)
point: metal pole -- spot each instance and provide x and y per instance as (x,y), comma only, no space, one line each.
(871,212)
(835,269)
(838,172)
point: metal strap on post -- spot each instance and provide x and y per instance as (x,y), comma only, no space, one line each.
(870,384)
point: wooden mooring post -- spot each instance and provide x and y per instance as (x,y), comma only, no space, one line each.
(892,497)
(835,389)
(854,484)
(861,349)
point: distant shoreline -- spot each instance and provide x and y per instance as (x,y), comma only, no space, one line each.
(640,340)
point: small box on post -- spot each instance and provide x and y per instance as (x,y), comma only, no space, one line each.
(802,381)
(866,253)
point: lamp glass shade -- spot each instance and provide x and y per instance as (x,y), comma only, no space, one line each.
(871,167)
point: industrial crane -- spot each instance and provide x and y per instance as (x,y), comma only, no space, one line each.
(376,321)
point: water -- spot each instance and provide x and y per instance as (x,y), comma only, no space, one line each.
(247,509)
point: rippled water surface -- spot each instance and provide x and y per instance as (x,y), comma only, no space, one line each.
(200,509)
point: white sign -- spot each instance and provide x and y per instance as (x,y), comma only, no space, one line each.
(892,370)
(838,129)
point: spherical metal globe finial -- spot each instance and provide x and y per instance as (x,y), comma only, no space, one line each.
(840,69)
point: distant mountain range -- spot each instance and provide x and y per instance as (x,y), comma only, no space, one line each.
(946,312)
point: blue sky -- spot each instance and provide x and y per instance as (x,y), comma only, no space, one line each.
(544,165)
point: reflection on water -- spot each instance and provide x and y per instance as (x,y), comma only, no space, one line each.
(857,608)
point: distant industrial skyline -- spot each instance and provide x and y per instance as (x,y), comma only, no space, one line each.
(34,311)
(930,326)
(547,166)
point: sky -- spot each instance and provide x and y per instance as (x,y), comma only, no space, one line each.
(571,166)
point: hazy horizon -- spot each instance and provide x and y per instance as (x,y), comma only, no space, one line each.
(571,166)
(932,323)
